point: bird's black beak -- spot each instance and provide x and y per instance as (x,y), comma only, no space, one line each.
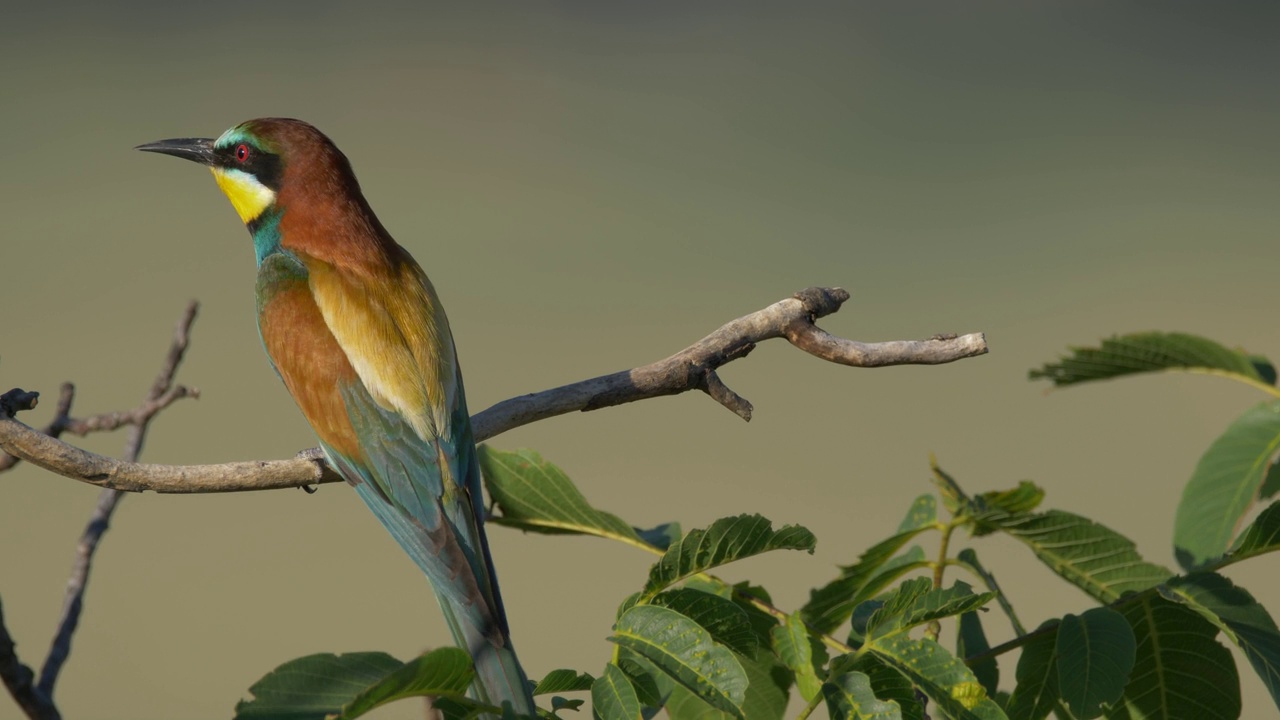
(194,149)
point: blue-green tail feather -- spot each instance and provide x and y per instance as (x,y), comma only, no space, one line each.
(442,532)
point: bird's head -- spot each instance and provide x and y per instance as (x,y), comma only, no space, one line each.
(257,161)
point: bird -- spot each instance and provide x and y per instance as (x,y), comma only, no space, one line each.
(353,326)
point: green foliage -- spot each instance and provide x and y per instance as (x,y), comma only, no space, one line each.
(1240,618)
(851,697)
(1154,352)
(347,686)
(558,681)
(1094,558)
(1146,643)
(1179,670)
(791,644)
(971,641)
(686,652)
(1095,654)
(727,539)
(1225,485)
(613,696)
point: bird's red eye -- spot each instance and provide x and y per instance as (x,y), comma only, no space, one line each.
(242,153)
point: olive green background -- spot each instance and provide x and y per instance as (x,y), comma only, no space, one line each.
(593,186)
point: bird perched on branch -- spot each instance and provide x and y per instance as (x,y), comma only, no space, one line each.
(354,328)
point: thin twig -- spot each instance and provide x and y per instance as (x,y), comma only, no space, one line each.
(20,681)
(162,393)
(690,369)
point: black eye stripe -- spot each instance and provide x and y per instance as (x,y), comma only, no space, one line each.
(265,166)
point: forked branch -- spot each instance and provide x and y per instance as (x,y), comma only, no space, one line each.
(694,368)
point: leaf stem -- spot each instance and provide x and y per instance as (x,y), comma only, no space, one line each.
(810,706)
(934,627)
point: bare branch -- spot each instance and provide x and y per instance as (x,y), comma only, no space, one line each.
(162,394)
(693,368)
(19,679)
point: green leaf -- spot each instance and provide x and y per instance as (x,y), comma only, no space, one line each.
(939,674)
(1224,485)
(850,697)
(1036,694)
(916,602)
(537,496)
(316,685)
(1024,498)
(685,651)
(1095,656)
(1270,483)
(892,686)
(653,687)
(972,640)
(612,696)
(922,513)
(662,536)
(969,559)
(791,644)
(1154,352)
(768,689)
(558,703)
(724,619)
(558,681)
(1179,670)
(1262,536)
(347,686)
(1090,556)
(728,539)
(830,605)
(1234,611)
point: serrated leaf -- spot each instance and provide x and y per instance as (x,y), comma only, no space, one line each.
(761,622)
(953,496)
(653,686)
(535,495)
(939,674)
(1024,498)
(1224,485)
(917,602)
(726,540)
(1154,352)
(315,686)
(830,605)
(892,686)
(1179,670)
(685,651)
(559,703)
(661,536)
(1262,536)
(1241,618)
(562,680)
(969,559)
(1095,656)
(1036,694)
(791,645)
(971,640)
(922,513)
(612,697)
(850,697)
(768,686)
(724,619)
(1090,556)
(347,686)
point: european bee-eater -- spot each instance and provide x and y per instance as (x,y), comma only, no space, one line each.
(354,328)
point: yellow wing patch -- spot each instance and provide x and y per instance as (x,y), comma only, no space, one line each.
(396,340)
(248,196)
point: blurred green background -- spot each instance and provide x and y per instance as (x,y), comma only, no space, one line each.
(593,186)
